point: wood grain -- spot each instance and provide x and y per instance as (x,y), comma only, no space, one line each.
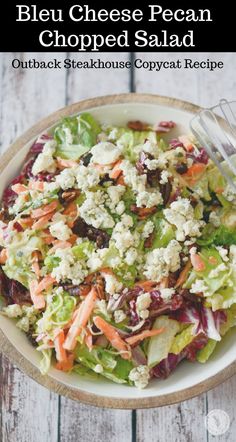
(29,412)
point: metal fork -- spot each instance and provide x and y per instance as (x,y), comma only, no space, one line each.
(215,129)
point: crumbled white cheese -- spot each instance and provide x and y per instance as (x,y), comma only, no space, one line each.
(68,268)
(152,164)
(152,148)
(13,311)
(159,262)
(66,179)
(86,177)
(131,256)
(140,376)
(120,208)
(167,293)
(214,219)
(94,212)
(165,175)
(132,178)
(223,253)
(142,304)
(23,324)
(229,193)
(98,368)
(95,259)
(60,230)
(148,229)
(181,214)
(215,272)
(199,286)
(122,237)
(119,316)
(112,285)
(105,153)
(45,160)
(148,198)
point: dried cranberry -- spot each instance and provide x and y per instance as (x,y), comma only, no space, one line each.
(86,159)
(82,229)
(181,168)
(166,192)
(17,226)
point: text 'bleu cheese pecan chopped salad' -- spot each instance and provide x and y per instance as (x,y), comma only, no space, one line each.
(118,250)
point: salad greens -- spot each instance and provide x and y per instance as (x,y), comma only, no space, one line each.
(118,250)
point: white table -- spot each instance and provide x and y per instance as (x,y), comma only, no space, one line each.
(28,412)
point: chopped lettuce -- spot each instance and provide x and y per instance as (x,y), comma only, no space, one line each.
(45,362)
(19,256)
(76,135)
(58,313)
(83,250)
(132,141)
(220,236)
(182,339)
(163,232)
(112,367)
(159,345)
(204,354)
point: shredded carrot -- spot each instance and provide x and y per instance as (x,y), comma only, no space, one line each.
(195,170)
(44,210)
(3,256)
(37,299)
(146,285)
(183,274)
(88,340)
(120,180)
(197,262)
(62,163)
(36,185)
(19,188)
(113,337)
(107,271)
(116,171)
(81,319)
(35,263)
(44,284)
(143,335)
(66,365)
(59,349)
(58,244)
(43,221)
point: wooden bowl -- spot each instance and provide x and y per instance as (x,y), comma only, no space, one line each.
(189,379)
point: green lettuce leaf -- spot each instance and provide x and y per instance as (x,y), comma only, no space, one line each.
(204,354)
(76,135)
(163,232)
(114,367)
(182,339)
(45,362)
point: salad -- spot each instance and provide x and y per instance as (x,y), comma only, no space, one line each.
(118,250)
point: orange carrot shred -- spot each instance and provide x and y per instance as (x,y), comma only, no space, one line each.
(143,335)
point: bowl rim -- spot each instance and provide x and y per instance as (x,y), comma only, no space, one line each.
(9,350)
